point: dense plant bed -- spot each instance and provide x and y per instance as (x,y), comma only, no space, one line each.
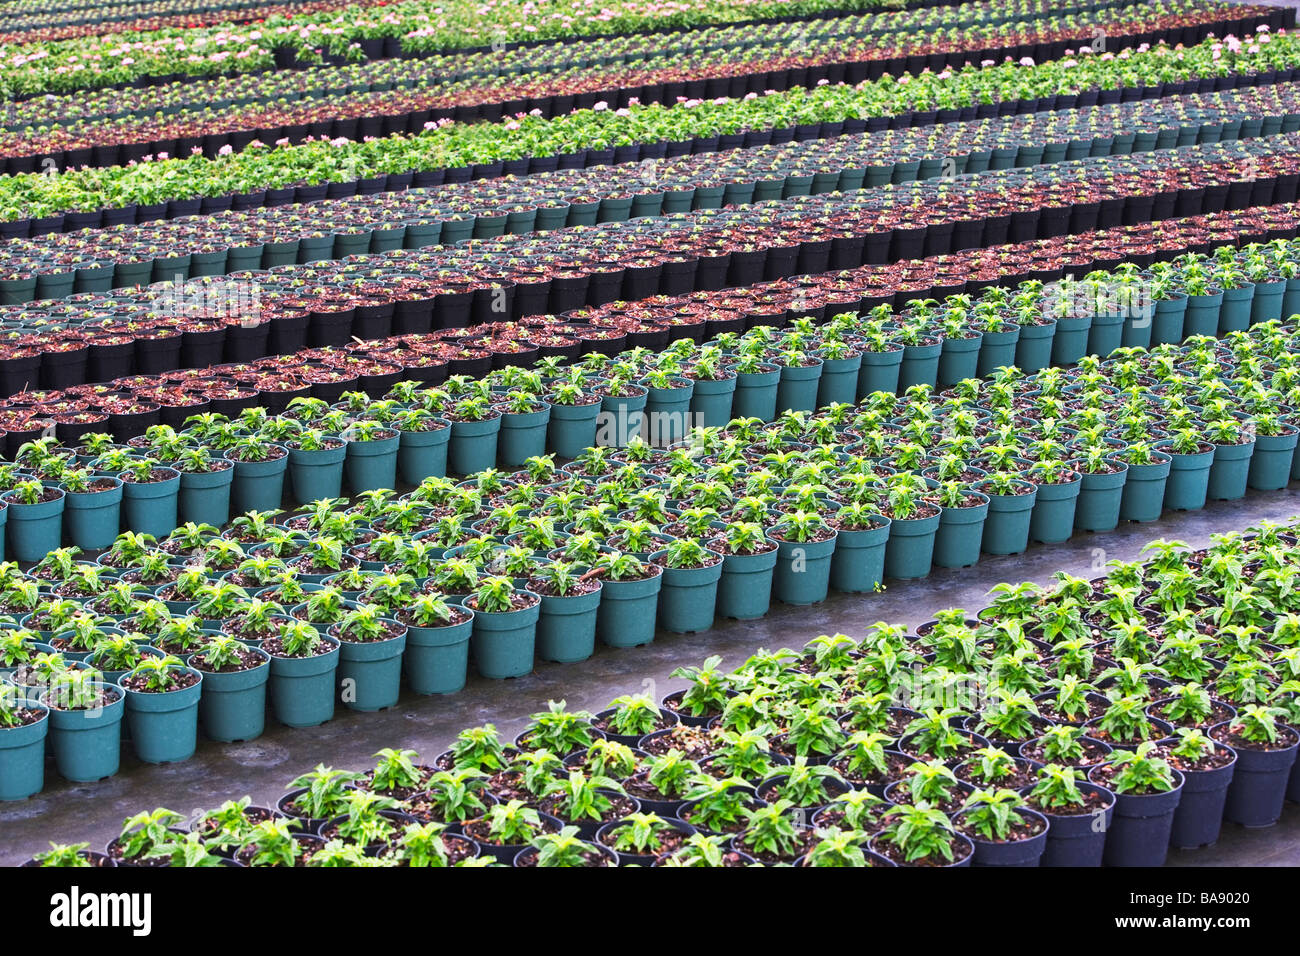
(845,754)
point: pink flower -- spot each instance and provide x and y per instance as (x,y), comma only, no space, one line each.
(600,106)
(225,150)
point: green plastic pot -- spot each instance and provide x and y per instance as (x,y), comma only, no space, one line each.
(621,417)
(797,387)
(371,465)
(233,706)
(803,571)
(1234,313)
(1167,322)
(1144,489)
(473,446)
(858,564)
(920,365)
(960,532)
(756,394)
(880,372)
(839,381)
(1099,500)
(205,496)
(1105,334)
(1006,531)
(1230,471)
(302,688)
(258,485)
(152,507)
(165,726)
(22,756)
(436,660)
(572,429)
(566,627)
(910,551)
(1053,518)
(316,475)
(628,610)
(1070,343)
(503,643)
(36,530)
(711,401)
(1189,481)
(523,436)
(1201,316)
(422,455)
(87,744)
(1035,345)
(688,597)
(1270,465)
(997,350)
(1291,298)
(1137,330)
(1267,303)
(959,359)
(91,519)
(667,412)
(369,675)
(745,587)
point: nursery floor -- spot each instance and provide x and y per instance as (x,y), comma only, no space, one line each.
(68,813)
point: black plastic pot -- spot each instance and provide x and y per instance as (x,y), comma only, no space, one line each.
(639,859)
(1200,811)
(1079,839)
(1028,852)
(1139,831)
(1259,784)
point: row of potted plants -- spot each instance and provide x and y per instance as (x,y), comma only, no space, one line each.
(1086,722)
(100,260)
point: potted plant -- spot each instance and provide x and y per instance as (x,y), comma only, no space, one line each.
(371,460)
(920,835)
(748,566)
(629,600)
(85,725)
(805,544)
(688,594)
(1208,769)
(475,429)
(162,709)
(858,562)
(258,482)
(961,525)
(35,520)
(1080,815)
(315,465)
(92,508)
(1004,830)
(150,495)
(422,447)
(1147,790)
(302,674)
(233,703)
(566,625)
(1266,751)
(571,428)
(23,727)
(436,659)
(205,486)
(504,631)
(370,658)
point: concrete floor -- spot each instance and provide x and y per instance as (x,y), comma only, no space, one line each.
(68,813)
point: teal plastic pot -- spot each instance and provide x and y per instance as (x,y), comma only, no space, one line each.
(620,418)
(572,429)
(711,401)
(1070,343)
(164,727)
(1189,481)
(1201,316)
(880,372)
(745,588)
(1144,489)
(628,610)
(523,436)
(258,485)
(688,597)
(910,551)
(1053,517)
(1105,334)
(960,532)
(22,756)
(302,688)
(920,365)
(1099,500)
(437,658)
(36,530)
(566,627)
(371,465)
(314,475)
(205,496)
(233,706)
(1270,465)
(803,571)
(1035,345)
(1230,471)
(839,381)
(1234,313)
(1007,529)
(91,519)
(473,446)
(422,455)
(87,744)
(1291,298)
(504,643)
(858,564)
(152,507)
(667,412)
(997,350)
(1267,302)
(369,675)
(1167,322)
(959,359)
(797,387)
(756,394)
